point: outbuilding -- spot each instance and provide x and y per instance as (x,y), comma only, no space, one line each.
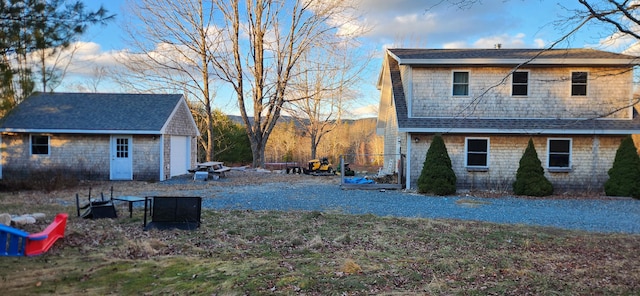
(99,136)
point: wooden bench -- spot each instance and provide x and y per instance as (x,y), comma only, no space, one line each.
(221,171)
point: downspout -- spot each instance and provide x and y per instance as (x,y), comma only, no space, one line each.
(1,156)
(161,143)
(407,169)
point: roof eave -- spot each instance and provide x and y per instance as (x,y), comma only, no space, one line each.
(77,131)
(505,62)
(520,131)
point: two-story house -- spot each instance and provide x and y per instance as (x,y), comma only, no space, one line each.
(576,105)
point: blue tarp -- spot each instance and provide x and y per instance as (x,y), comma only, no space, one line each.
(358,180)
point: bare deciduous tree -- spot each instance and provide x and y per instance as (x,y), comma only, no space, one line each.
(173,47)
(324,87)
(265,41)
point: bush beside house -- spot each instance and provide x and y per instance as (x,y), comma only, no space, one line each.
(530,179)
(624,175)
(437,176)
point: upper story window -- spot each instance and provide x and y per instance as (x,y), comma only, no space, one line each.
(477,150)
(520,83)
(39,145)
(559,153)
(460,83)
(579,83)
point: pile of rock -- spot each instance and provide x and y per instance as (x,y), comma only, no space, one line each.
(9,220)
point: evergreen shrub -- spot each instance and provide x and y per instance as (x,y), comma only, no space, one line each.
(530,179)
(624,175)
(437,176)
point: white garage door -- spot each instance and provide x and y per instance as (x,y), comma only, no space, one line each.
(180,153)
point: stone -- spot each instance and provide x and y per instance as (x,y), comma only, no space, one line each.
(38,216)
(30,219)
(19,220)
(5,219)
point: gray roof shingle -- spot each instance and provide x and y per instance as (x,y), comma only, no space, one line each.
(510,56)
(521,126)
(78,112)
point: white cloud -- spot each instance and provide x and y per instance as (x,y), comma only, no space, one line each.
(634,49)
(504,40)
(455,45)
(454,24)
(364,111)
(84,57)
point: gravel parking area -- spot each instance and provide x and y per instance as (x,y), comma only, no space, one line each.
(270,191)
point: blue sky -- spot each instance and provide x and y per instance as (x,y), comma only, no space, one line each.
(393,23)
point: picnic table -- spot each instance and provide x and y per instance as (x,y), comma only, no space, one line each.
(215,168)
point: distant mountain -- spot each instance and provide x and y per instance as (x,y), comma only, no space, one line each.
(287,119)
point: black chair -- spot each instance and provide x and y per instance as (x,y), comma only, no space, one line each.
(168,212)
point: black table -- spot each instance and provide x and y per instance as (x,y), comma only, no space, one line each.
(130,200)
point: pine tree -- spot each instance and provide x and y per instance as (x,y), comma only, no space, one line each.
(530,179)
(437,175)
(28,27)
(624,175)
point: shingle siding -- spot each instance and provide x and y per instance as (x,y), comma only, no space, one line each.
(85,156)
(82,156)
(549,93)
(591,158)
(181,123)
(146,163)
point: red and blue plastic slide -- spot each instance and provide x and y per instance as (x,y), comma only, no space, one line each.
(15,242)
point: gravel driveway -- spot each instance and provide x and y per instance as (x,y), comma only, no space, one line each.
(596,215)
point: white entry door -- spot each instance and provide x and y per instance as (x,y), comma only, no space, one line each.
(121,158)
(180,155)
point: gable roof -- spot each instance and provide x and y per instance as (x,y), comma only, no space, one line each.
(463,124)
(572,56)
(92,113)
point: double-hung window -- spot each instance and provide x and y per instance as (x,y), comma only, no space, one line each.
(460,83)
(477,150)
(39,145)
(559,155)
(520,83)
(579,83)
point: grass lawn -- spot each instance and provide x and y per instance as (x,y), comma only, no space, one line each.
(314,253)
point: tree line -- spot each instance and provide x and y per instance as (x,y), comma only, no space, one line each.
(291,142)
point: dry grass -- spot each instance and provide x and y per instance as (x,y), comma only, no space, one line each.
(311,253)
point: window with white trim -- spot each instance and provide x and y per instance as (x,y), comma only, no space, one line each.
(39,145)
(477,152)
(579,83)
(559,153)
(520,83)
(460,83)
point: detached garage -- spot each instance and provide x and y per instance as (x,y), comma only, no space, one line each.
(99,136)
